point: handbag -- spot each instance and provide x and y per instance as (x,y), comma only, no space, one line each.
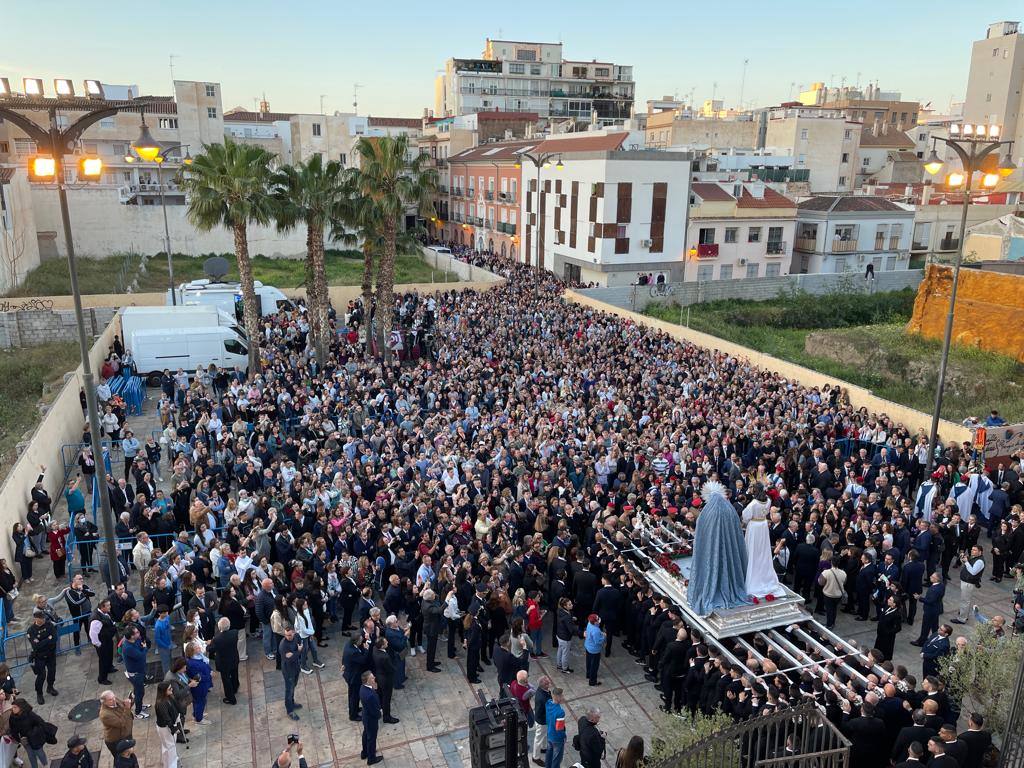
(12,594)
(29,552)
(59,552)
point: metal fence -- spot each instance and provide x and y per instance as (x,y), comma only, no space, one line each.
(801,737)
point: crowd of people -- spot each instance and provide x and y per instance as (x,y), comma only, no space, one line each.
(477,499)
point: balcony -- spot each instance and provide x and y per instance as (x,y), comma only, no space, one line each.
(775,248)
(130,194)
(456,192)
(844,246)
(808,244)
(471,193)
(489,194)
(508,229)
(948,244)
(507,199)
(457,217)
(917,245)
(707,250)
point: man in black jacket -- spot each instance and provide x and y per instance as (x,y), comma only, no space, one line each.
(591,740)
(918,732)
(584,590)
(224,650)
(867,736)
(354,661)
(42,637)
(977,740)
(674,672)
(384,671)
(606,605)
(433,620)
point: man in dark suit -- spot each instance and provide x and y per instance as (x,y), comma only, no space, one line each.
(939,757)
(607,606)
(915,756)
(955,748)
(224,650)
(584,590)
(805,567)
(999,506)
(931,608)
(908,735)
(867,738)
(122,496)
(977,740)
(371,717)
(912,582)
(865,585)
(933,650)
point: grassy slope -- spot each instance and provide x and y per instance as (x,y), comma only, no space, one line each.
(22,375)
(1003,377)
(103,275)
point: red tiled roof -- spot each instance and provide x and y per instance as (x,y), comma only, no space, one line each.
(603,143)
(771,199)
(395,122)
(498,115)
(6,174)
(505,150)
(711,193)
(849,204)
(244,116)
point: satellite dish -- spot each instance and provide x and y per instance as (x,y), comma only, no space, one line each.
(216,268)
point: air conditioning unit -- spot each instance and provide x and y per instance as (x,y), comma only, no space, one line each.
(743,262)
(646,243)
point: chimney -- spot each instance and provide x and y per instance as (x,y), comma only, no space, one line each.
(876,128)
(885,128)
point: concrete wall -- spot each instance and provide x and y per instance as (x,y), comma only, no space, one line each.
(758,289)
(467,272)
(988,312)
(62,424)
(27,328)
(102,226)
(915,421)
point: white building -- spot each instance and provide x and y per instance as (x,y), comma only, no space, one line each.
(822,141)
(995,86)
(515,76)
(738,230)
(608,213)
(844,233)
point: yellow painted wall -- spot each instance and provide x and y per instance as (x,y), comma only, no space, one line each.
(914,420)
(988,314)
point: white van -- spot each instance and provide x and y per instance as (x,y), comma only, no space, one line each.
(188,348)
(228,297)
(440,249)
(194,316)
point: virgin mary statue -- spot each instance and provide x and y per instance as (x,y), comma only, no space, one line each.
(719,557)
(761,577)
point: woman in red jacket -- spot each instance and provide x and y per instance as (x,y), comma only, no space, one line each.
(57,536)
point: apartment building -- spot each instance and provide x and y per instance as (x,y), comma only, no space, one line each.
(484,197)
(995,86)
(844,233)
(822,141)
(518,76)
(885,149)
(678,128)
(19,246)
(608,212)
(738,230)
(262,128)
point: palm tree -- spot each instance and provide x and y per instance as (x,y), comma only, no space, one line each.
(319,195)
(227,185)
(393,182)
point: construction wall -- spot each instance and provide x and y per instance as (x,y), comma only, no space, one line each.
(914,420)
(988,314)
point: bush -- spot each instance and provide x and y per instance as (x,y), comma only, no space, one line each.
(804,310)
(982,675)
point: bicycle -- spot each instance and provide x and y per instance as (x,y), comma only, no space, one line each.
(661,290)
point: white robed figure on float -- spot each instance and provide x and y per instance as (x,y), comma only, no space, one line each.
(982,488)
(761,577)
(926,500)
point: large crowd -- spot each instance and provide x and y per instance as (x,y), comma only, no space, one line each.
(475,497)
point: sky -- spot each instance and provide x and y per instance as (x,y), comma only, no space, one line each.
(298,51)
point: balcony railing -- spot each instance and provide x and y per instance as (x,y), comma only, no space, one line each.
(508,229)
(707,250)
(948,244)
(471,193)
(507,199)
(917,245)
(844,246)
(775,248)
(489,194)
(456,192)
(457,217)
(806,244)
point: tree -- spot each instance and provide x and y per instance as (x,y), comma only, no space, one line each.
(318,195)
(983,672)
(394,183)
(674,738)
(228,185)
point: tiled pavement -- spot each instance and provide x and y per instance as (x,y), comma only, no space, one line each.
(433,731)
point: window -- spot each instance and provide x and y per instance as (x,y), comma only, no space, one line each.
(995,52)
(847,134)
(771,270)
(211,91)
(845,158)
(840,263)
(316,129)
(988,97)
(602,72)
(705,272)
(922,136)
(620,231)
(753,269)
(803,133)
(517,69)
(525,54)
(211,112)
(169,123)
(725,272)
(890,264)
(801,159)
(235,347)
(108,122)
(731,234)
(4,147)
(842,181)
(535,69)
(866,162)
(774,234)
(754,235)
(706,236)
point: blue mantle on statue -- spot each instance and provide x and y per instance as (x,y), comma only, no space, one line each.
(718,567)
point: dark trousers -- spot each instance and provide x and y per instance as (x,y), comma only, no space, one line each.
(831,604)
(369,741)
(672,691)
(138,681)
(385,692)
(353,700)
(291,677)
(229,677)
(473,662)
(863,604)
(609,633)
(453,629)
(105,653)
(929,624)
(432,649)
(803,583)
(46,670)
(593,663)
(911,607)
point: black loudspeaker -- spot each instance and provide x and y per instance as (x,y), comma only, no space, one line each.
(497,735)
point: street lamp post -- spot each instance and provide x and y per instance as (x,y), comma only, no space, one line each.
(972,144)
(540,160)
(60,141)
(147,148)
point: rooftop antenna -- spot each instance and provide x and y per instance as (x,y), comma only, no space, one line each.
(170,64)
(858,81)
(355,97)
(743,81)
(791,87)
(322,97)
(714,90)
